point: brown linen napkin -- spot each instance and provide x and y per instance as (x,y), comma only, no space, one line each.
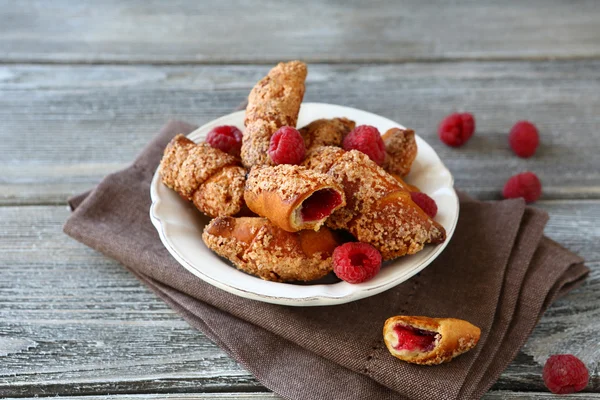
(498,272)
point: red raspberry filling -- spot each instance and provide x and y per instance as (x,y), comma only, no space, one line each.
(526,185)
(426,203)
(366,138)
(411,339)
(320,204)
(227,138)
(456,129)
(287,146)
(524,139)
(356,262)
(565,373)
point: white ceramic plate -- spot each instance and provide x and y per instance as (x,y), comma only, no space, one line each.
(180,225)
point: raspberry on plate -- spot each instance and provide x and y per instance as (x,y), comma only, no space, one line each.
(456,129)
(287,146)
(524,139)
(526,185)
(366,138)
(356,262)
(227,138)
(426,203)
(565,373)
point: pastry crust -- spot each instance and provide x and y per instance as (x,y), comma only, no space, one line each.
(378,209)
(208,177)
(453,337)
(258,247)
(273,102)
(401,150)
(326,132)
(279,193)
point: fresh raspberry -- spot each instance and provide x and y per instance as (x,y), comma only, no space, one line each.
(565,373)
(227,138)
(366,138)
(456,129)
(287,146)
(526,185)
(426,203)
(356,262)
(524,139)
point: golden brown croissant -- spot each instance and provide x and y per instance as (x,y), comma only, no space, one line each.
(273,102)
(401,150)
(256,246)
(326,132)
(292,197)
(429,341)
(378,209)
(209,177)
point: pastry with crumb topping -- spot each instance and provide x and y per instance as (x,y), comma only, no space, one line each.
(292,197)
(378,210)
(400,149)
(429,341)
(256,246)
(326,132)
(273,102)
(208,177)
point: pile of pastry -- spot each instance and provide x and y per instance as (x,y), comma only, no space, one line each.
(282,200)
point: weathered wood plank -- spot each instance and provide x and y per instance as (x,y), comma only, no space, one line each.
(271,396)
(137,31)
(73,322)
(65,127)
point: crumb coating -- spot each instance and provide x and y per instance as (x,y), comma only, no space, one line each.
(256,246)
(326,132)
(401,150)
(207,176)
(273,102)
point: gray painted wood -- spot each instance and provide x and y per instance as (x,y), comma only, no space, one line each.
(73,322)
(270,396)
(65,127)
(140,31)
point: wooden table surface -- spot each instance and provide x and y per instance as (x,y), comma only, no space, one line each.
(84,85)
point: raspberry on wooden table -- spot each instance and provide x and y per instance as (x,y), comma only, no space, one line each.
(526,185)
(356,262)
(287,146)
(565,373)
(227,138)
(426,203)
(456,129)
(366,138)
(524,139)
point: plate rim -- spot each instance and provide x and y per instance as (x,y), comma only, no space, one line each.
(318,300)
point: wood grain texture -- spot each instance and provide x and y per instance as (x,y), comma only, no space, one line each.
(270,396)
(86,326)
(184,31)
(65,127)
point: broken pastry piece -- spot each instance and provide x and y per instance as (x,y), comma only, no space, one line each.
(326,132)
(429,341)
(292,197)
(401,150)
(273,102)
(378,210)
(256,246)
(206,176)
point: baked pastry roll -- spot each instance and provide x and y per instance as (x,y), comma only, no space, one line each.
(256,246)
(378,210)
(292,197)
(326,132)
(401,150)
(273,102)
(208,177)
(429,341)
